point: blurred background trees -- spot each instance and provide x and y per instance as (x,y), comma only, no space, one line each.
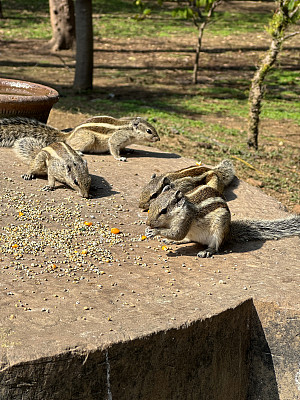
(62,18)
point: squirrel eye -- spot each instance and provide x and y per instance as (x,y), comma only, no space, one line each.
(76,182)
(164,211)
(149,131)
(153,196)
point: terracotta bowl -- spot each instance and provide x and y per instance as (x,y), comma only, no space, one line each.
(26,99)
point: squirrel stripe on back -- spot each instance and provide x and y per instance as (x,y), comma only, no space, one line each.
(202,216)
(187,179)
(96,135)
(57,160)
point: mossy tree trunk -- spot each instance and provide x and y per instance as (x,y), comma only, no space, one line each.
(286,13)
(257,91)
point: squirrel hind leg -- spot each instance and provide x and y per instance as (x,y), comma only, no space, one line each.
(28,176)
(214,243)
(209,252)
(120,158)
(36,167)
(211,249)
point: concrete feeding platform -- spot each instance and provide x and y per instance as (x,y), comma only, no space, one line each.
(87,315)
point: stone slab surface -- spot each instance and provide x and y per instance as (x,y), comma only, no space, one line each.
(67,305)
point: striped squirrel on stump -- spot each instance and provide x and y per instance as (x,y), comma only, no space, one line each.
(98,134)
(57,160)
(203,216)
(187,179)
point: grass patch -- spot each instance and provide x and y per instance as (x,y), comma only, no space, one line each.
(117,19)
(161,23)
(228,23)
(206,121)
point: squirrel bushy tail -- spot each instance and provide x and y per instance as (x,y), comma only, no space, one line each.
(12,129)
(247,230)
(27,148)
(226,169)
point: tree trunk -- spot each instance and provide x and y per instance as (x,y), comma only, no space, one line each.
(84,45)
(1,13)
(200,36)
(285,14)
(198,49)
(63,24)
(257,91)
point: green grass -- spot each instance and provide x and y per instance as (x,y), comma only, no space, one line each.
(28,5)
(194,106)
(31,18)
(226,23)
(276,164)
(20,27)
(186,118)
(161,23)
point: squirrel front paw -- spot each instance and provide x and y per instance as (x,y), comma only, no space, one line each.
(47,188)
(151,233)
(205,254)
(28,177)
(121,158)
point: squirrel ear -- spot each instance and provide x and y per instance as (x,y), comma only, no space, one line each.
(166,188)
(136,122)
(153,176)
(166,181)
(178,195)
(179,199)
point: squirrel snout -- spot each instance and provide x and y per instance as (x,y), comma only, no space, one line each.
(84,194)
(143,205)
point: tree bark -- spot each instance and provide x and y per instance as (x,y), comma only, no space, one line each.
(84,45)
(257,91)
(1,13)
(282,18)
(200,36)
(63,24)
(198,49)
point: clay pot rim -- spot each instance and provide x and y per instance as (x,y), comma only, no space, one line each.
(26,92)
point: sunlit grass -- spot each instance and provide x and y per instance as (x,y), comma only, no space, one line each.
(190,121)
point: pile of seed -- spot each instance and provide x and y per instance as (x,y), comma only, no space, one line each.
(64,241)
